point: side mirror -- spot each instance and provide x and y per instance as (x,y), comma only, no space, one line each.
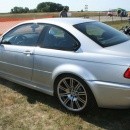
(4,41)
(0,39)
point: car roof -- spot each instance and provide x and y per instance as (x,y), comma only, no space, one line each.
(59,21)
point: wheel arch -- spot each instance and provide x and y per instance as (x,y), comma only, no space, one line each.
(75,70)
(66,74)
(92,100)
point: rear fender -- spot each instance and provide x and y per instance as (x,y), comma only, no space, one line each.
(72,69)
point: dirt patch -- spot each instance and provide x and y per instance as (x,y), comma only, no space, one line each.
(8,22)
(12,19)
(4,26)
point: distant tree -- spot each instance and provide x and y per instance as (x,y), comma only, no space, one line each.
(45,9)
(49,7)
(59,7)
(41,7)
(20,10)
(26,10)
(55,7)
(14,10)
(33,10)
(82,10)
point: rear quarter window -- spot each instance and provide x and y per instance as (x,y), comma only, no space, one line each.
(102,34)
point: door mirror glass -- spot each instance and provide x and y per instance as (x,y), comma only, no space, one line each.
(0,40)
(4,42)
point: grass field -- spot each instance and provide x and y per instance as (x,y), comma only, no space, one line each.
(118,24)
(24,109)
(53,14)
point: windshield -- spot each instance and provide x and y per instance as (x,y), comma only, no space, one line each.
(102,34)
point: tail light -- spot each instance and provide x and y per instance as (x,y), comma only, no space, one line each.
(127,73)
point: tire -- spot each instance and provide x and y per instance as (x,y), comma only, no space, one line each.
(74,94)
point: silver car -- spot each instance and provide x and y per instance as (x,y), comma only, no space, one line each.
(81,61)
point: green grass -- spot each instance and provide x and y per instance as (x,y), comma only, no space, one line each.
(24,109)
(118,24)
(53,14)
(29,15)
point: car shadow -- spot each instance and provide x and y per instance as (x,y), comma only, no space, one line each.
(110,119)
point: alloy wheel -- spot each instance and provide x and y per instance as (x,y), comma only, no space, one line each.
(72,94)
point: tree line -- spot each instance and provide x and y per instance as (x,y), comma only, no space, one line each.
(41,7)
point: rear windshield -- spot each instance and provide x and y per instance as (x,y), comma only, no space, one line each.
(102,34)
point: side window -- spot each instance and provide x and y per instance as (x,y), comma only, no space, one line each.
(23,35)
(58,38)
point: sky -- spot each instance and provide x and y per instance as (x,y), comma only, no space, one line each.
(74,5)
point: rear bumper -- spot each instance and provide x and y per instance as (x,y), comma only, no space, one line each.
(111,95)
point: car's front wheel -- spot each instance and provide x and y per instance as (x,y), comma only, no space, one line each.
(73,93)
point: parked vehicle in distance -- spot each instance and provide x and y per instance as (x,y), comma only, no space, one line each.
(117,12)
(111,13)
(81,61)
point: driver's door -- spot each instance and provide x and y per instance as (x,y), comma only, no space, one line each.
(18,48)
(17,61)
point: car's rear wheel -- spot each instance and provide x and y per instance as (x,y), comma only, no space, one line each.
(73,93)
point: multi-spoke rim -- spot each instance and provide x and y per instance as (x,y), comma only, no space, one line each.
(72,94)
